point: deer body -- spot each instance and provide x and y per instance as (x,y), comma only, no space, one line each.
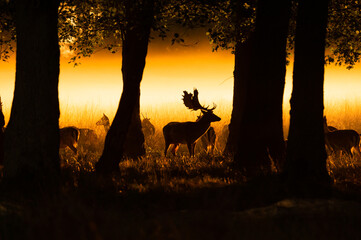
(341,140)
(69,137)
(177,133)
(147,128)
(88,138)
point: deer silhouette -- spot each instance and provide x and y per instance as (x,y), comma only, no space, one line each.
(147,127)
(341,140)
(104,121)
(69,137)
(177,133)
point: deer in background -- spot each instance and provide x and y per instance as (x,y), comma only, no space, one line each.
(69,137)
(341,140)
(104,121)
(177,133)
(147,127)
(88,138)
(208,140)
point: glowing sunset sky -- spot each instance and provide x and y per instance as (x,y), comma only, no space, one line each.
(169,70)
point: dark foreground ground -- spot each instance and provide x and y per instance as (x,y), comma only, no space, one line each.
(182,199)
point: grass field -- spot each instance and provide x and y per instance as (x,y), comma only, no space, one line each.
(181,172)
(181,197)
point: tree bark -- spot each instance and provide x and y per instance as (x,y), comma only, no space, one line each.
(32,134)
(260,134)
(134,143)
(241,66)
(306,155)
(135,46)
(2,124)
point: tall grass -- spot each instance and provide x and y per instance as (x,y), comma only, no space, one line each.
(157,170)
(341,113)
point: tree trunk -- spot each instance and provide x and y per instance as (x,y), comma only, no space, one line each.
(135,46)
(2,124)
(306,155)
(241,67)
(261,126)
(32,134)
(134,143)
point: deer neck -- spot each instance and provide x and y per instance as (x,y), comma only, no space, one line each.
(106,127)
(203,125)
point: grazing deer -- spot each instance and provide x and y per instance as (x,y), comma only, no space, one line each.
(177,133)
(69,137)
(208,140)
(104,121)
(341,140)
(147,127)
(331,129)
(88,138)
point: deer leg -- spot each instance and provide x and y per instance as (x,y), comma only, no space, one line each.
(73,149)
(357,150)
(175,148)
(212,148)
(166,148)
(193,146)
(348,152)
(189,145)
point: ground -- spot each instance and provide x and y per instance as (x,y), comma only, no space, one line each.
(182,198)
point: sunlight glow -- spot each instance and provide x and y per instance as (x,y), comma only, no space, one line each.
(96,84)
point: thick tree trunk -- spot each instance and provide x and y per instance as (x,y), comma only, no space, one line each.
(261,126)
(2,124)
(32,134)
(306,155)
(241,69)
(134,143)
(135,47)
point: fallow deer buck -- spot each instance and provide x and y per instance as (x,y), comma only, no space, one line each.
(341,140)
(69,137)
(177,133)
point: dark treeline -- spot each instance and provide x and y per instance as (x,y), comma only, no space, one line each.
(260,34)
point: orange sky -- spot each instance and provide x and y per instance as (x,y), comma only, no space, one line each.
(169,70)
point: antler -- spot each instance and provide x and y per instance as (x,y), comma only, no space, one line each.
(214,107)
(191,101)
